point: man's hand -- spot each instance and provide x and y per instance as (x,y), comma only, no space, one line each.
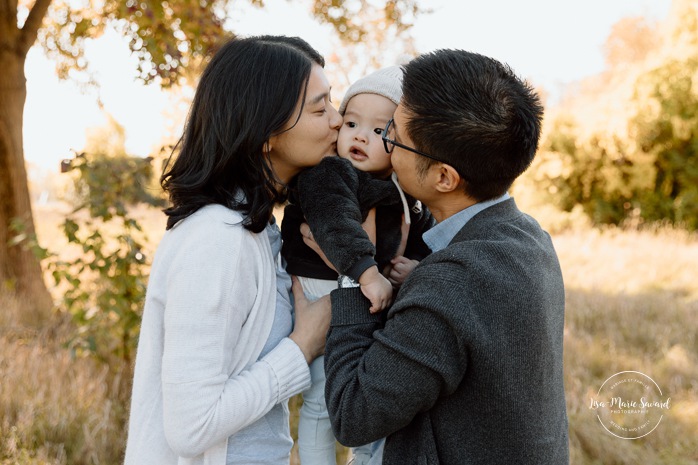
(376,288)
(312,321)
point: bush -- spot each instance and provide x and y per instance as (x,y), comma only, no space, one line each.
(623,146)
(103,287)
(651,175)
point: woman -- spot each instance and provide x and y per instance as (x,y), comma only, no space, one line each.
(219,355)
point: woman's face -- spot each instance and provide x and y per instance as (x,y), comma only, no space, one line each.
(313,137)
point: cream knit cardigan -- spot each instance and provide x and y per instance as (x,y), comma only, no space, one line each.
(209,309)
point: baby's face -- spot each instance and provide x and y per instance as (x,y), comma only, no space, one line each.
(360,135)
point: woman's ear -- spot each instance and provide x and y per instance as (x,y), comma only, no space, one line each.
(268,145)
(449,179)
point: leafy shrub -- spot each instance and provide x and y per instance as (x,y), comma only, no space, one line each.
(103,286)
(650,175)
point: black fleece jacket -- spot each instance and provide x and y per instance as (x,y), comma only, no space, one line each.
(334,198)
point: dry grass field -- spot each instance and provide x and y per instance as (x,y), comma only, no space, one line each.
(632,304)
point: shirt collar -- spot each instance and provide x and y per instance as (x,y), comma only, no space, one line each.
(438,237)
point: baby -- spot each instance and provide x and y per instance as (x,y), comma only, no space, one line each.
(334,198)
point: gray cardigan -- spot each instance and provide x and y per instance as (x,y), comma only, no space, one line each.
(467,369)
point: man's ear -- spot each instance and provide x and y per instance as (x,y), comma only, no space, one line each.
(448,178)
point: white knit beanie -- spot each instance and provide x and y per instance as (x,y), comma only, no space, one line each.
(386,82)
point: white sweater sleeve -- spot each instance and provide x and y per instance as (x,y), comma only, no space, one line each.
(213,293)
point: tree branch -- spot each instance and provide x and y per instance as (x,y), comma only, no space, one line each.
(8,8)
(8,21)
(30,30)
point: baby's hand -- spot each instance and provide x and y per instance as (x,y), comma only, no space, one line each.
(376,288)
(401,268)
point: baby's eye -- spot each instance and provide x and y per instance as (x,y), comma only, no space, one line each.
(351,124)
(378,131)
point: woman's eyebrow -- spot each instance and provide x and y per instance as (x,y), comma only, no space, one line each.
(318,98)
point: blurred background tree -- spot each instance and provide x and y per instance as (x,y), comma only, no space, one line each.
(623,148)
(171,39)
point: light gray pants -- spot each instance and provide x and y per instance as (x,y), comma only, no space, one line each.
(316,443)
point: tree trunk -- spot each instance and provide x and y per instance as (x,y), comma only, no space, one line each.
(19,269)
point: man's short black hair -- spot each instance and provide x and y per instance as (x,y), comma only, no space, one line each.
(473,113)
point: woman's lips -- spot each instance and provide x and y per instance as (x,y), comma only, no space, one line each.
(333,149)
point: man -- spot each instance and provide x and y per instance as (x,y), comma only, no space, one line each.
(466,367)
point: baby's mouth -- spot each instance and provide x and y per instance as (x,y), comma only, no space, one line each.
(357,154)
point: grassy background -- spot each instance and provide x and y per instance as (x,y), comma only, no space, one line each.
(632,304)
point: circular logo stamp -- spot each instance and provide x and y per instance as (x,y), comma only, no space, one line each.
(629,405)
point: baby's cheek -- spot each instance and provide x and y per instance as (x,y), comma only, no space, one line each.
(342,147)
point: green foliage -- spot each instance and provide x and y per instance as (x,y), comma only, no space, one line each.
(107,283)
(166,37)
(352,19)
(599,174)
(652,176)
(172,38)
(644,170)
(104,284)
(667,132)
(107,185)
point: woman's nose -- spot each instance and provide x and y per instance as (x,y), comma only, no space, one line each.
(335,118)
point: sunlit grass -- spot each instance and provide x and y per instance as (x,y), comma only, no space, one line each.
(632,304)
(54,409)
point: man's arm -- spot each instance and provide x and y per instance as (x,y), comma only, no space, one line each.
(380,375)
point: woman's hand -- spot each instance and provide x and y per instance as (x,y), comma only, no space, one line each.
(309,240)
(311,323)
(369,226)
(400,268)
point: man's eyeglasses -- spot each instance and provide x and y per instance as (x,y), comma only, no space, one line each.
(389,144)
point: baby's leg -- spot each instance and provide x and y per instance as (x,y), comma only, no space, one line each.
(316,444)
(369,454)
(362,454)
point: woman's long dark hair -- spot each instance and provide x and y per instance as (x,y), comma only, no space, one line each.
(247,93)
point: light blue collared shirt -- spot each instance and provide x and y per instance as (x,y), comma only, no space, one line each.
(442,234)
